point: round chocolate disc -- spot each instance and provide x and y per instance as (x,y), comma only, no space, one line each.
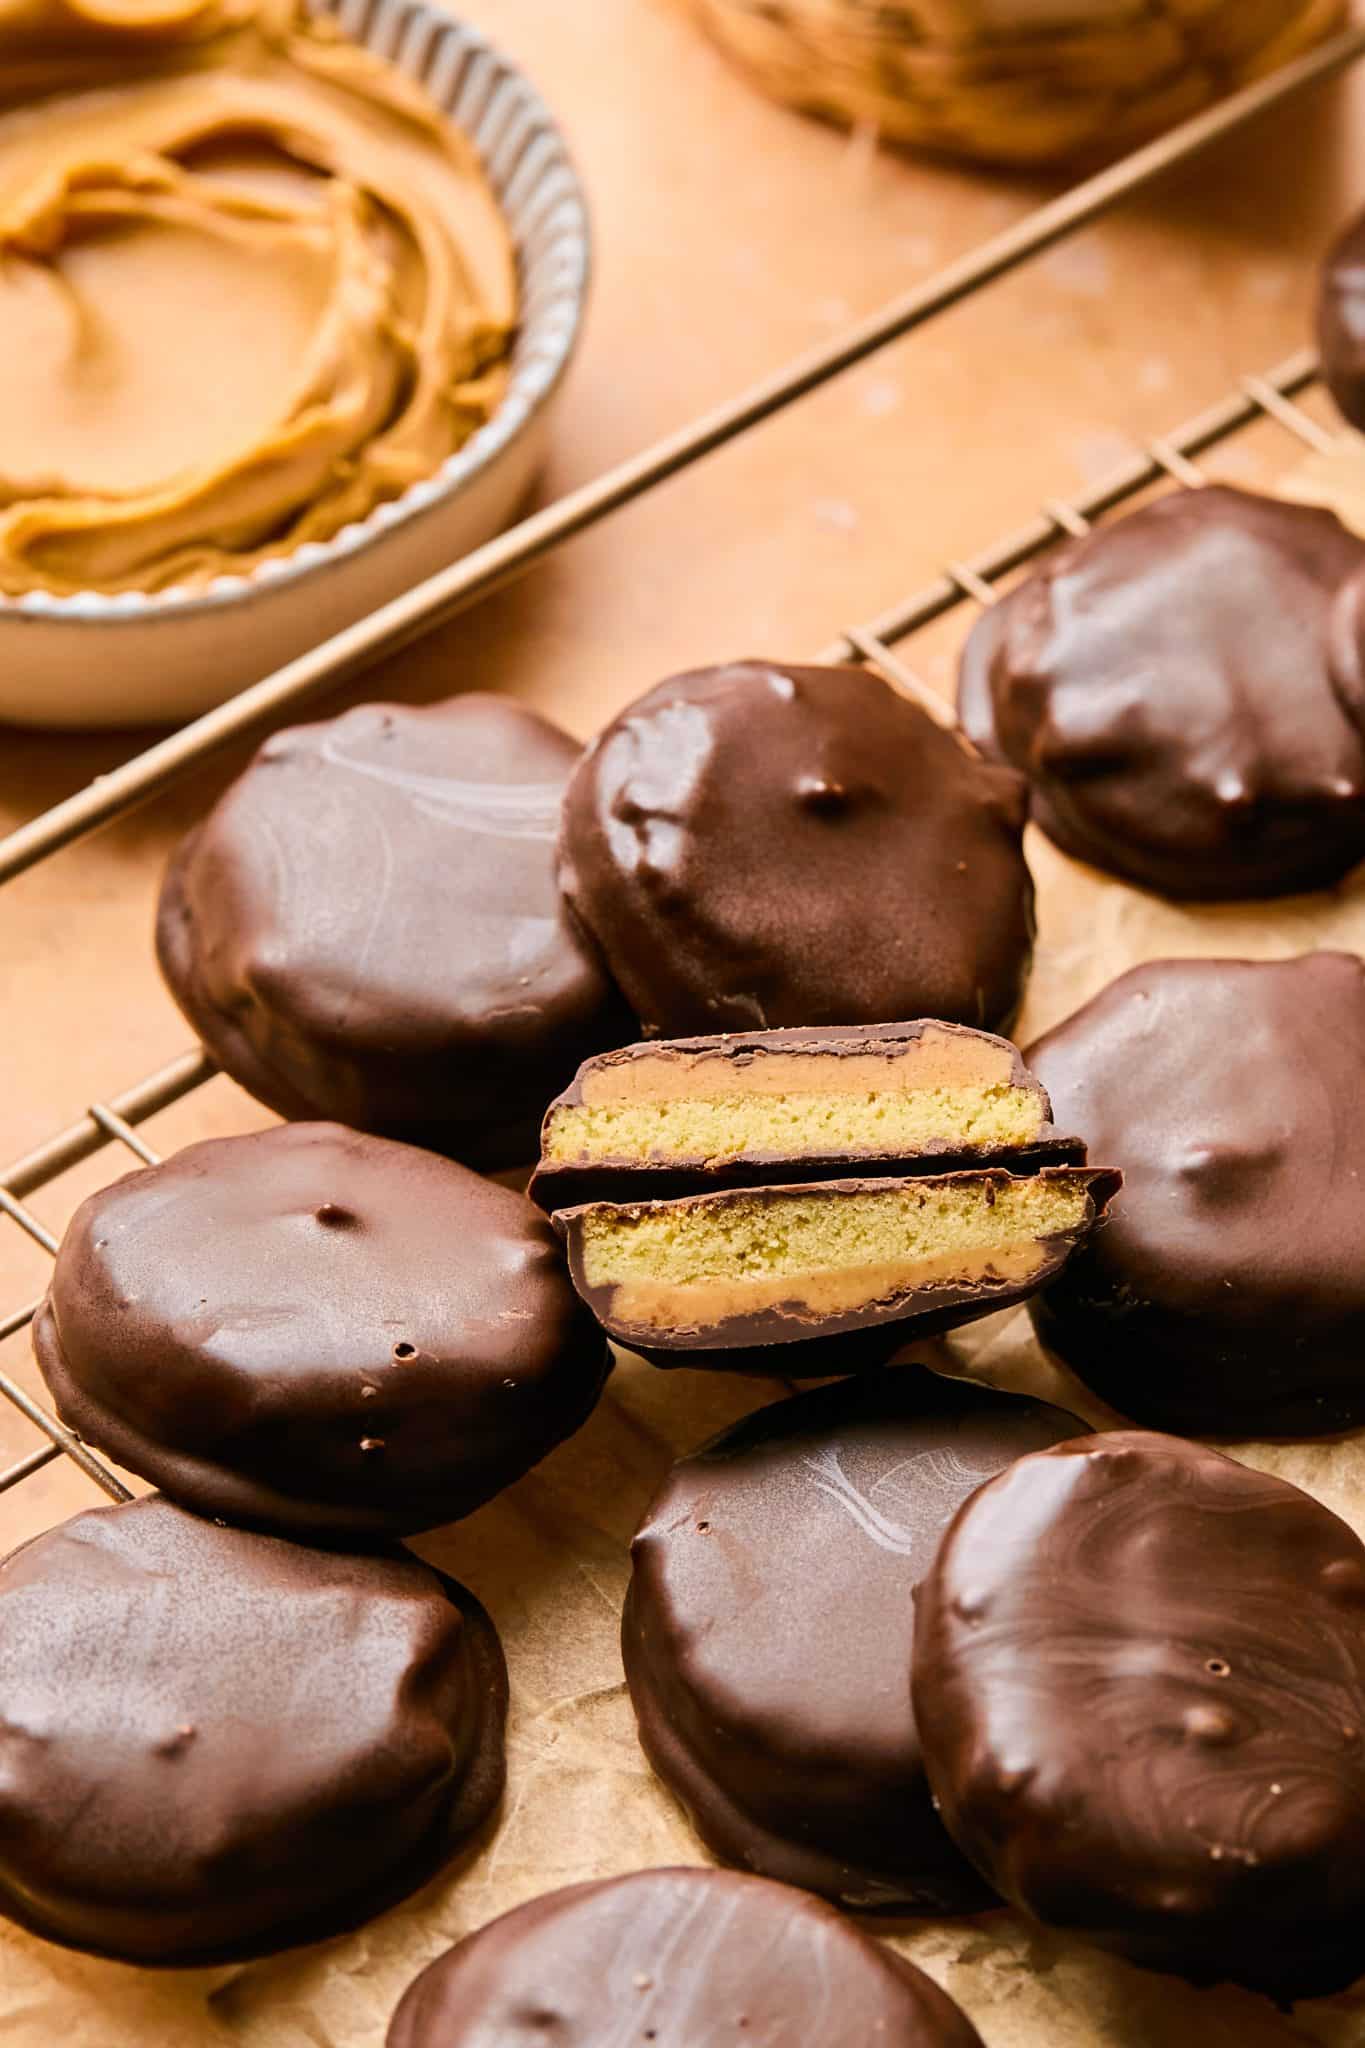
(767,1631)
(314,1330)
(1225,1293)
(1341,322)
(1184,691)
(762,845)
(220,1744)
(682,1958)
(1140,1679)
(367,927)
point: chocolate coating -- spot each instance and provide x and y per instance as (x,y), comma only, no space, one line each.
(219,1744)
(1226,1293)
(816,1358)
(1341,322)
(1140,1682)
(318,1331)
(767,1630)
(762,845)
(684,1958)
(367,927)
(1184,690)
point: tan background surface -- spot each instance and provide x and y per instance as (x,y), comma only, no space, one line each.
(730,235)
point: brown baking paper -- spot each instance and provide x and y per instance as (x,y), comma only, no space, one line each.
(550,1560)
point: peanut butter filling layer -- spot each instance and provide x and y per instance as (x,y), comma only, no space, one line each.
(823,1251)
(252,282)
(704,1107)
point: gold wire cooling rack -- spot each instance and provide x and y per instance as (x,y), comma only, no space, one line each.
(1168,461)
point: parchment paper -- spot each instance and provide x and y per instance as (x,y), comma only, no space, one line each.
(550,1561)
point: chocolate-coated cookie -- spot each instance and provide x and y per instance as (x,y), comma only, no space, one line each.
(317,1331)
(1140,1684)
(367,927)
(680,1958)
(1341,321)
(219,1744)
(796,1266)
(767,1630)
(1184,690)
(762,845)
(684,1116)
(1225,1293)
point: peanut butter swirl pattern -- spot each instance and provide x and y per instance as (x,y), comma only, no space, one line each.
(253,286)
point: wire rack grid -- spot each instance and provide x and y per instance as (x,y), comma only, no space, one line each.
(1170,460)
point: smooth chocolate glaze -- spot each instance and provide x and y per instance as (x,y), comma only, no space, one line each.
(681,1958)
(1341,322)
(815,1358)
(557,1184)
(767,1630)
(1140,1683)
(1184,690)
(1225,1294)
(801,1338)
(317,1331)
(761,845)
(218,1744)
(367,927)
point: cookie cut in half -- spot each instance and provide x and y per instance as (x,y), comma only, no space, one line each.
(690,1115)
(778,1265)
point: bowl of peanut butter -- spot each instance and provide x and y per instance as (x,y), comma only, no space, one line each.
(287,288)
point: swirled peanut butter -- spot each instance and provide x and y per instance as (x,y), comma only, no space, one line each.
(252,285)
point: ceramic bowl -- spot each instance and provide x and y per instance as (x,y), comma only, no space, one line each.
(133,659)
